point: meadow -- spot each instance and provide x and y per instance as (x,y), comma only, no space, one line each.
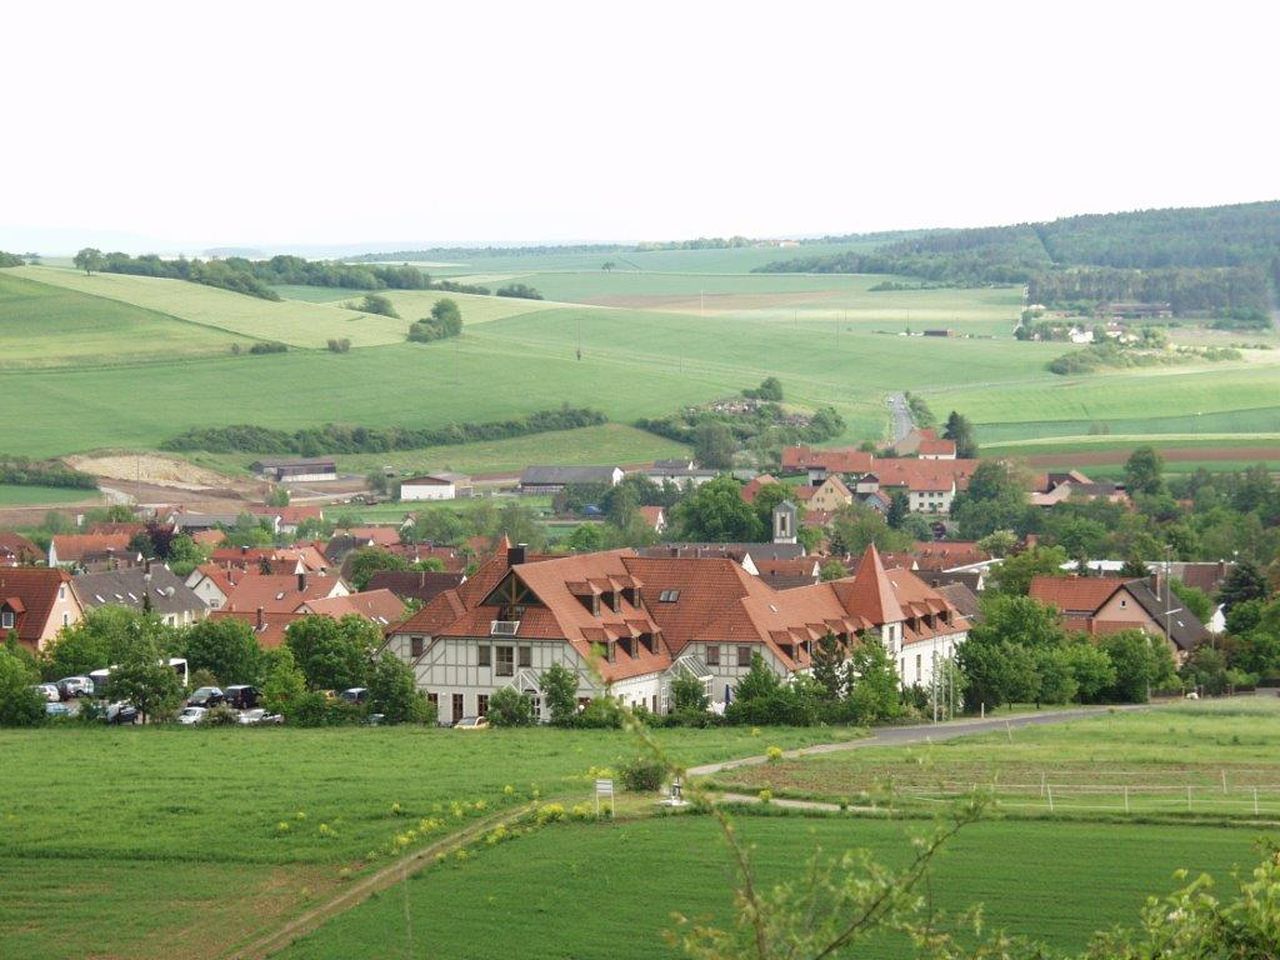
(662,330)
(123,842)
(571,889)
(22,495)
(609,891)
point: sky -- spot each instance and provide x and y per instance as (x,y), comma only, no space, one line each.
(175,126)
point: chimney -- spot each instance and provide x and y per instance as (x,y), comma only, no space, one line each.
(261,621)
(302,581)
(244,550)
(516,554)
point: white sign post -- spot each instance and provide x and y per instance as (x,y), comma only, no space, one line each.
(604,788)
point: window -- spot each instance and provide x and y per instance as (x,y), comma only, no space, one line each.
(484,655)
(506,661)
(482,704)
(917,668)
(744,656)
(434,700)
(713,656)
(66,619)
(669,596)
(526,656)
(537,705)
(458,708)
(6,619)
(62,592)
(416,646)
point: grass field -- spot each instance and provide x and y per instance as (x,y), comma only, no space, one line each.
(665,329)
(45,326)
(1220,750)
(127,843)
(588,891)
(21,495)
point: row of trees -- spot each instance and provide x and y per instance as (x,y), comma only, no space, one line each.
(225,274)
(343,438)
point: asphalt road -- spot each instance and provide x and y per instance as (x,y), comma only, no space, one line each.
(899,416)
(920,733)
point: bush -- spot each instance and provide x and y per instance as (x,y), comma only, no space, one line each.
(269,346)
(509,708)
(220,716)
(20,706)
(342,345)
(643,775)
(521,290)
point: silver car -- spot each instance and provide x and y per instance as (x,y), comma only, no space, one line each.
(49,691)
(192,715)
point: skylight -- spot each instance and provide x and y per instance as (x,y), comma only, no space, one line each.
(669,596)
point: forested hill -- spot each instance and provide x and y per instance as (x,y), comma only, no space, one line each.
(1216,261)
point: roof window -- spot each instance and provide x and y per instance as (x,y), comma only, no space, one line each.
(669,596)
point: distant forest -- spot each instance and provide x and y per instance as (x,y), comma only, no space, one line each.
(1219,262)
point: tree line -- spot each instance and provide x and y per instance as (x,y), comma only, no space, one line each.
(1238,296)
(43,473)
(344,438)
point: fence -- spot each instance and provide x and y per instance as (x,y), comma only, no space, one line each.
(1229,797)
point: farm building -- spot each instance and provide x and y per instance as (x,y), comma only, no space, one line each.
(299,469)
(92,551)
(16,550)
(428,487)
(544,479)
(655,618)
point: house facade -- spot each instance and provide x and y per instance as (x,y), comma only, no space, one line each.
(35,603)
(427,487)
(641,621)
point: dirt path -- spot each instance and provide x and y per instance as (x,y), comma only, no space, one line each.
(362,889)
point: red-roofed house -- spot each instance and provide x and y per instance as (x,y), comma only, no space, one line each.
(282,594)
(268,628)
(92,550)
(35,603)
(652,618)
(381,606)
(1104,605)
(17,551)
(936,450)
(820,463)
(655,518)
(755,485)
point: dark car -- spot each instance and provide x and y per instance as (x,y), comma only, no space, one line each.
(206,697)
(242,696)
(120,713)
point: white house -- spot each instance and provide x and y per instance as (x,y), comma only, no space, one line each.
(427,487)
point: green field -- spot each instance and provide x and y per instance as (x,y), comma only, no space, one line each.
(1220,751)
(665,329)
(47,326)
(609,891)
(21,495)
(127,842)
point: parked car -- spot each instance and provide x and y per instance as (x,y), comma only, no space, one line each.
(257,717)
(117,713)
(57,709)
(70,687)
(472,723)
(191,715)
(242,696)
(49,691)
(355,694)
(207,697)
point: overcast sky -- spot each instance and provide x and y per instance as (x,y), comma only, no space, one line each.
(268,123)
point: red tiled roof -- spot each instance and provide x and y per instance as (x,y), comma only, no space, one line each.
(291,515)
(278,594)
(1074,595)
(17,549)
(869,593)
(925,475)
(384,536)
(937,448)
(381,606)
(653,516)
(836,460)
(943,555)
(74,547)
(269,628)
(209,538)
(31,592)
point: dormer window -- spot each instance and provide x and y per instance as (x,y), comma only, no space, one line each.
(6,619)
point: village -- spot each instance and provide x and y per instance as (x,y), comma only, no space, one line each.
(486,617)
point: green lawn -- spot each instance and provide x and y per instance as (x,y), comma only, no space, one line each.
(299,324)
(115,842)
(47,326)
(609,891)
(1088,763)
(20,495)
